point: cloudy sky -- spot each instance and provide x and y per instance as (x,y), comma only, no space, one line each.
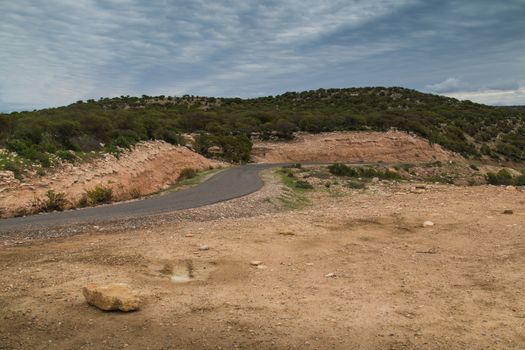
(55,52)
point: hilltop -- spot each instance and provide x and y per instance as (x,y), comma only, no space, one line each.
(473,130)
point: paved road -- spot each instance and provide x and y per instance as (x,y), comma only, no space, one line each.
(227,184)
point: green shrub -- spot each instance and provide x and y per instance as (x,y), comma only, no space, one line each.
(355,185)
(15,168)
(339,169)
(303,185)
(503,177)
(187,173)
(520,180)
(99,195)
(67,155)
(53,201)
(83,201)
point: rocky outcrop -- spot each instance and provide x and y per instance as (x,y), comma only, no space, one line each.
(392,146)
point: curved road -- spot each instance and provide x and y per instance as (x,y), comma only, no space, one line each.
(227,184)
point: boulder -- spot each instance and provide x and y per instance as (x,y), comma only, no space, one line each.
(114,296)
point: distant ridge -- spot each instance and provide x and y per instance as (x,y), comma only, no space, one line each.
(471,129)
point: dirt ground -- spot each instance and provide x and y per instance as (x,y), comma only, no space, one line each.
(349,271)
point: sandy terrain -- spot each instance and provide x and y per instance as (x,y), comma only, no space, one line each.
(149,167)
(392,146)
(394,284)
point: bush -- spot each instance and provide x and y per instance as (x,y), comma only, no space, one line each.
(339,169)
(54,201)
(303,185)
(236,149)
(135,193)
(503,177)
(187,173)
(355,185)
(15,168)
(99,195)
(520,180)
(67,156)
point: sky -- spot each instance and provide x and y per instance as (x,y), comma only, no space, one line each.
(56,52)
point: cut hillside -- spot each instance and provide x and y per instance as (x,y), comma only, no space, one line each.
(146,168)
(390,147)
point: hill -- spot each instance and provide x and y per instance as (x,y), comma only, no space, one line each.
(471,129)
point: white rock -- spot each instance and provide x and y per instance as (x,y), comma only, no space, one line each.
(428,224)
(330,275)
(204,247)
(255,263)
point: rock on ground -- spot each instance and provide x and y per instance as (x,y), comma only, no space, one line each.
(115,296)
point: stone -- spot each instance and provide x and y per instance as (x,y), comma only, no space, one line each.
(255,263)
(287,233)
(428,224)
(204,247)
(330,275)
(375,179)
(113,296)
(508,211)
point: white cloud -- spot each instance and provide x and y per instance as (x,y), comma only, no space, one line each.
(58,51)
(85,48)
(493,97)
(447,85)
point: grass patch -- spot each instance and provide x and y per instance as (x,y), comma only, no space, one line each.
(191,177)
(293,194)
(339,169)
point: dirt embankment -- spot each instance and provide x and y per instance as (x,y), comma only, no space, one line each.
(392,146)
(149,167)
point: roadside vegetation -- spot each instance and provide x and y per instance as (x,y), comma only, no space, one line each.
(294,191)
(191,177)
(504,177)
(340,169)
(96,196)
(228,124)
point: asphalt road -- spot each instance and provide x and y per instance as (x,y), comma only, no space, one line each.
(227,184)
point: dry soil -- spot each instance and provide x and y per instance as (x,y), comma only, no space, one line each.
(351,271)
